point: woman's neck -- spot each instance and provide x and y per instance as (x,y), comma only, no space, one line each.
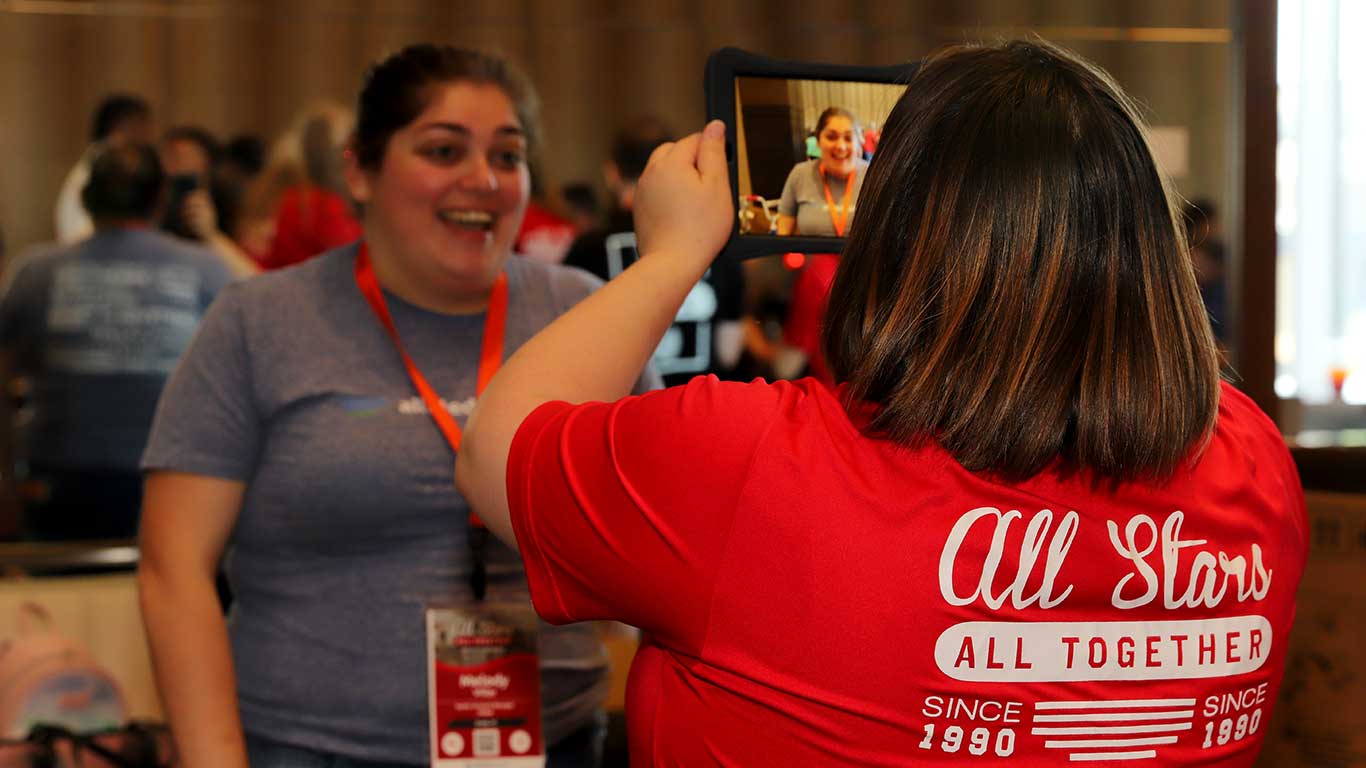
(426,294)
(841,172)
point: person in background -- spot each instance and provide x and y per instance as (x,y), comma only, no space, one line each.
(819,199)
(9,500)
(244,156)
(545,235)
(303,192)
(119,118)
(582,203)
(98,326)
(1031,487)
(1207,256)
(708,336)
(870,136)
(291,444)
(239,164)
(189,154)
(631,150)
(189,150)
(190,157)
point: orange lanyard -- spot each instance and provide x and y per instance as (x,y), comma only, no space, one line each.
(841,218)
(490,350)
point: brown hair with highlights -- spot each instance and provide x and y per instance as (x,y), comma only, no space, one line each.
(1016,285)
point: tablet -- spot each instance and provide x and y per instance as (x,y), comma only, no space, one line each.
(796,192)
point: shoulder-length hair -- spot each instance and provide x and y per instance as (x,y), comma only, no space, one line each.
(1015,285)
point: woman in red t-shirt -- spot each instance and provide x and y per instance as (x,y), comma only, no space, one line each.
(299,207)
(1030,526)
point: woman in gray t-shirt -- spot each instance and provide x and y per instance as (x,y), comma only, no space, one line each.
(820,195)
(290,443)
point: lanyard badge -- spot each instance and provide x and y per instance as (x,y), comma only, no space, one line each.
(484,686)
(490,358)
(483,667)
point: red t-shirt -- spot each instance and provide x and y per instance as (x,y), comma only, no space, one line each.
(310,220)
(544,236)
(810,292)
(812,596)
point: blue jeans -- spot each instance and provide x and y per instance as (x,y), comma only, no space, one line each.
(263,753)
(580,749)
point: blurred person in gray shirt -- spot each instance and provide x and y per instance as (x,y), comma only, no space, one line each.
(119,118)
(96,327)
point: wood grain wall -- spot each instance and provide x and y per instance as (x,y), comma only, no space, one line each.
(238,66)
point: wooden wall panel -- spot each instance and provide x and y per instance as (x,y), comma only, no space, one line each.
(569,52)
(250,65)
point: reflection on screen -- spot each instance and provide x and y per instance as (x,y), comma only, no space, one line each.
(803,148)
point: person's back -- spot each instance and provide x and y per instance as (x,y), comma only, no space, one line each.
(106,322)
(310,221)
(98,326)
(1029,527)
(864,604)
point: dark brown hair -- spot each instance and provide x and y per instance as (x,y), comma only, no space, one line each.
(833,112)
(1016,286)
(125,183)
(116,110)
(397,89)
(631,149)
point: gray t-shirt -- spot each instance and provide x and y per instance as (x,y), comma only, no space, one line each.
(804,197)
(99,325)
(350,524)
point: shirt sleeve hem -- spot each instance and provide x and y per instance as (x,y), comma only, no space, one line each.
(197,465)
(545,593)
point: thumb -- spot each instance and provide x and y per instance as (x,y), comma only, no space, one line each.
(711,156)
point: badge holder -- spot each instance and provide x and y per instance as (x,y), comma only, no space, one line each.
(484,686)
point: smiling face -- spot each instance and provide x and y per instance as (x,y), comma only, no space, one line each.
(185,157)
(836,141)
(443,208)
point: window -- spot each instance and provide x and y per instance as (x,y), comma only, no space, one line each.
(1321,217)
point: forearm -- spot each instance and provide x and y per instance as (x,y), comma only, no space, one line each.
(596,350)
(593,352)
(237,261)
(193,665)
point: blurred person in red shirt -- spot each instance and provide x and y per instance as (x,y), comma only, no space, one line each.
(299,207)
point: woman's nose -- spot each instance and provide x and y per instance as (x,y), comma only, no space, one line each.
(478,176)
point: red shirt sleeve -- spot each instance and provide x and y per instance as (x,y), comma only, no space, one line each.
(623,510)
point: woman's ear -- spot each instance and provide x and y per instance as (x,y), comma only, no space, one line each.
(358,181)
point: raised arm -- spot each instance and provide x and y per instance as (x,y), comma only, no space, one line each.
(186,520)
(597,349)
(203,220)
